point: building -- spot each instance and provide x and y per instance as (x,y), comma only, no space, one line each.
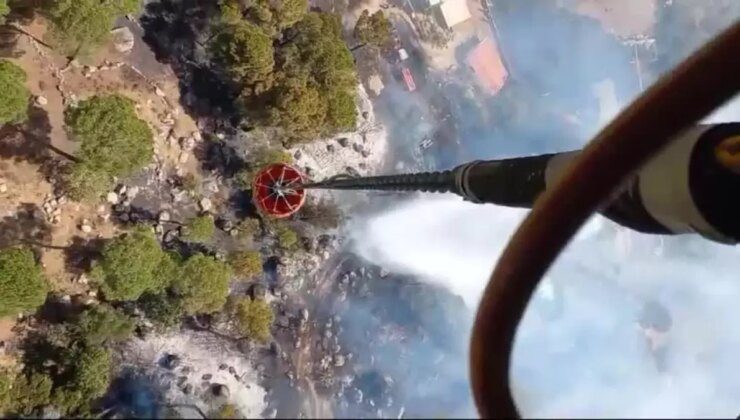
(486,63)
(454,12)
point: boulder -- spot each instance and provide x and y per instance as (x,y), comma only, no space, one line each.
(123,39)
(164,216)
(205,204)
(343,141)
(112,198)
(41,100)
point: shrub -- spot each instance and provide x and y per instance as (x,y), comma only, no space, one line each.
(199,229)
(103,324)
(203,284)
(254,317)
(15,95)
(133,264)
(246,263)
(115,142)
(22,283)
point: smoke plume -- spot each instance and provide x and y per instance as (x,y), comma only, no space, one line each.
(580,351)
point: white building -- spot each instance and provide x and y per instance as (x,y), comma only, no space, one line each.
(454,12)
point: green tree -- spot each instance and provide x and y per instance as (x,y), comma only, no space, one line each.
(103,324)
(199,229)
(275,16)
(249,228)
(373,29)
(162,309)
(287,238)
(88,378)
(22,283)
(115,142)
(132,264)
(203,284)
(14,102)
(4,10)
(244,51)
(297,109)
(254,318)
(315,88)
(83,25)
(246,263)
(21,394)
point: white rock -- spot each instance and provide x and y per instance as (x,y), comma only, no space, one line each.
(82,279)
(86,228)
(132,192)
(121,190)
(41,100)
(3,188)
(164,216)
(112,198)
(159,92)
(123,39)
(205,204)
(197,136)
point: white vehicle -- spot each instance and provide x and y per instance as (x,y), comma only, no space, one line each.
(402,54)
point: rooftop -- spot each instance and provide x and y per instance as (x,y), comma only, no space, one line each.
(485,61)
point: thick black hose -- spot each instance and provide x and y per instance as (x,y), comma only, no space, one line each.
(439,182)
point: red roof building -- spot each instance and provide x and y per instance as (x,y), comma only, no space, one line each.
(485,61)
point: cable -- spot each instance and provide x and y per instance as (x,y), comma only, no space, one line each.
(700,84)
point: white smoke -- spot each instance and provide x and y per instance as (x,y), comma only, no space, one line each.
(591,360)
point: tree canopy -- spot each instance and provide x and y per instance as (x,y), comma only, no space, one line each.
(115,142)
(373,29)
(200,229)
(82,25)
(245,52)
(163,309)
(287,237)
(22,283)
(20,394)
(103,324)
(203,284)
(4,10)
(303,81)
(88,379)
(14,102)
(254,317)
(132,264)
(246,263)
(315,88)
